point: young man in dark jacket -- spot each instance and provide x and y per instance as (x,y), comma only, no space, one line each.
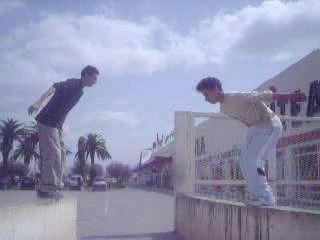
(50,112)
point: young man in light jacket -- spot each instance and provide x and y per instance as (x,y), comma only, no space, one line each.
(264,128)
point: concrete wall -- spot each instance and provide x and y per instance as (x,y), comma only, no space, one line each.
(199,218)
(42,220)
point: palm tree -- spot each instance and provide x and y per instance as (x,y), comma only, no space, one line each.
(68,152)
(95,145)
(10,130)
(80,155)
(27,148)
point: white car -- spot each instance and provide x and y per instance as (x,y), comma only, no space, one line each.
(76,182)
(99,183)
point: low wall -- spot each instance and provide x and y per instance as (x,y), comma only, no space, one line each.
(153,189)
(41,220)
(198,218)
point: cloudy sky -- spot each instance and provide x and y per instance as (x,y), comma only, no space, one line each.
(150,53)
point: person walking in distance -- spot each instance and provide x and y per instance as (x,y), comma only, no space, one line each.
(264,128)
(50,112)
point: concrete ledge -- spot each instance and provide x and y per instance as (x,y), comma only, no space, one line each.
(153,189)
(207,219)
(41,220)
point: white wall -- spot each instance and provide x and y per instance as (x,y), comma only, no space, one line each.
(205,219)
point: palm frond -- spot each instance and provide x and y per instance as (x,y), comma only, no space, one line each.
(96,145)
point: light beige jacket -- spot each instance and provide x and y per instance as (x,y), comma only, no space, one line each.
(249,107)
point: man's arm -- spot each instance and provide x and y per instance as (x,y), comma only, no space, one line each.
(44,98)
(296,96)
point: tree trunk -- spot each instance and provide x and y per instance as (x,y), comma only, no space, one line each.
(92,164)
(92,158)
(82,164)
(6,148)
(5,156)
(26,160)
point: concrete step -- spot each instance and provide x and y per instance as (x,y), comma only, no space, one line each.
(25,217)
(151,236)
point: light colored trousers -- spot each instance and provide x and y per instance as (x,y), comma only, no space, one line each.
(260,144)
(52,157)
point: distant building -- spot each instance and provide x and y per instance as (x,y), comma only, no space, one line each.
(155,168)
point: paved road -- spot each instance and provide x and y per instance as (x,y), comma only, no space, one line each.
(125,214)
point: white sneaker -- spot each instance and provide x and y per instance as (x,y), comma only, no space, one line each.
(250,202)
(268,201)
(261,201)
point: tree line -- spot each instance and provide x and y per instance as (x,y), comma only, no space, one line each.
(21,141)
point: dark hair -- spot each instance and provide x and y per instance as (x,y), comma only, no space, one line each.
(209,83)
(89,70)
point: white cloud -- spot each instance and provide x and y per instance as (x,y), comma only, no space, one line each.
(60,44)
(56,47)
(120,102)
(66,43)
(8,5)
(274,30)
(128,118)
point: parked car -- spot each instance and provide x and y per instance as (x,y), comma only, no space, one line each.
(28,183)
(5,183)
(99,183)
(111,182)
(76,182)
(66,181)
(15,180)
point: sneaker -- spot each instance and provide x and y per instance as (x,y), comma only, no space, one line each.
(267,199)
(252,202)
(261,201)
(49,194)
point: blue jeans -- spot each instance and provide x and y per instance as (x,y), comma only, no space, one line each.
(260,143)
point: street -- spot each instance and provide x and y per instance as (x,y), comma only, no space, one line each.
(124,214)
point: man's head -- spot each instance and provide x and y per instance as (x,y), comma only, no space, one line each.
(211,89)
(89,76)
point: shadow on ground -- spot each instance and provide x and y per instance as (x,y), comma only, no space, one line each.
(149,236)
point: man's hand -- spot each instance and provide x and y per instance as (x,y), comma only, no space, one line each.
(298,96)
(31,110)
